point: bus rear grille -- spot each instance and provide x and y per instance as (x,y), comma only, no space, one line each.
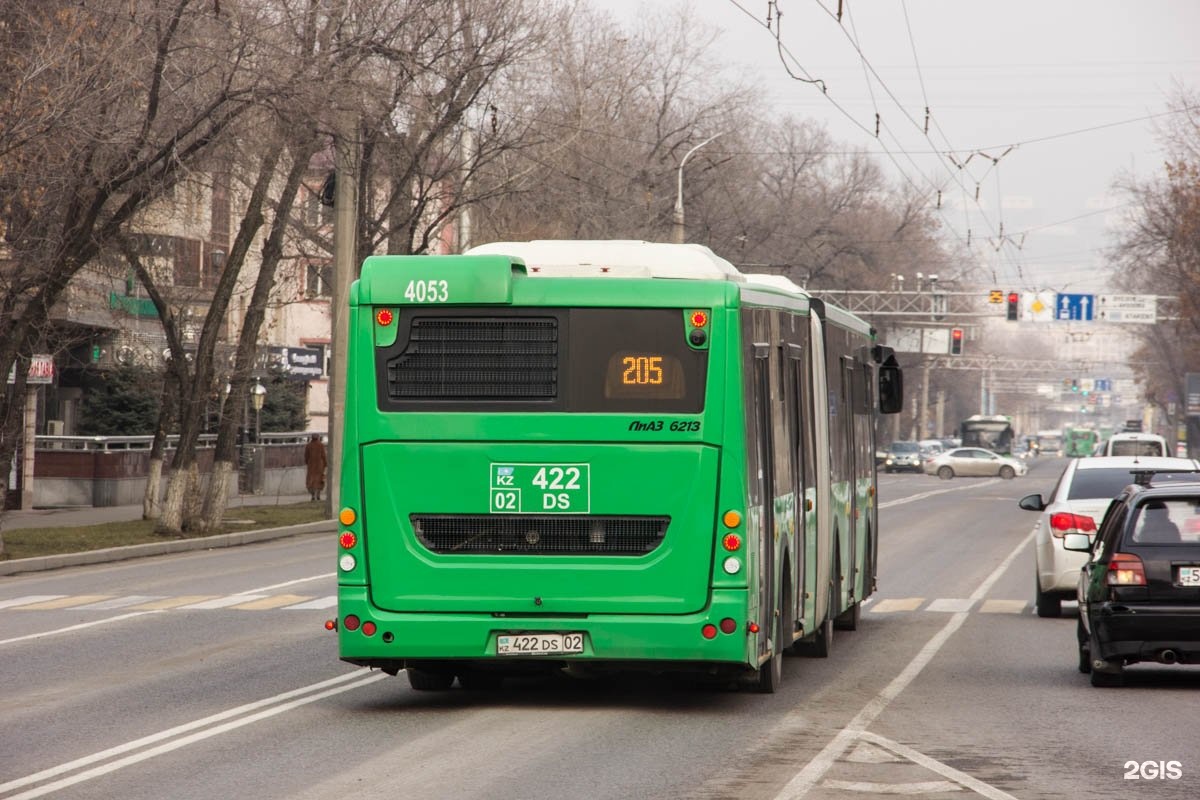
(465,358)
(529,534)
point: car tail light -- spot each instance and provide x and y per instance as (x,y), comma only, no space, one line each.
(1064,522)
(1126,569)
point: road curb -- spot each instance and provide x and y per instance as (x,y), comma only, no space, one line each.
(108,554)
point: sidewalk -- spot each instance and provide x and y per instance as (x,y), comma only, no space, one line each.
(64,517)
(90,515)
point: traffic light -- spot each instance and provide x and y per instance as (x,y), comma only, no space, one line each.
(956,341)
(1014,302)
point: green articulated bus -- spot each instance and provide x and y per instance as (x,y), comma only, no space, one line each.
(602,456)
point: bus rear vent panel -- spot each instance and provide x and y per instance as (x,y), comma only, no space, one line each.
(530,534)
(464,358)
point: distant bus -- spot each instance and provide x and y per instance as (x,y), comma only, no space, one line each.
(600,456)
(1079,442)
(1050,443)
(993,433)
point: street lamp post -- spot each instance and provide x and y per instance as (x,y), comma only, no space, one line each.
(680,232)
(258,393)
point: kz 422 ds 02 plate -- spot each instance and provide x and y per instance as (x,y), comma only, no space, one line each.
(539,644)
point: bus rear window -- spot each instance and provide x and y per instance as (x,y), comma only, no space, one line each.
(619,360)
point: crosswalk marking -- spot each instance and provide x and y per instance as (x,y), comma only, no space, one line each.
(271,601)
(119,602)
(319,603)
(69,601)
(174,602)
(223,602)
(1003,606)
(950,605)
(896,604)
(28,600)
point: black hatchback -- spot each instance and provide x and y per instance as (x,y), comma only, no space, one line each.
(1139,593)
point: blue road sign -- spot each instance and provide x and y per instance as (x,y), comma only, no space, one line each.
(1075,306)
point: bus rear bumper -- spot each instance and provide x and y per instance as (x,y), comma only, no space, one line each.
(399,638)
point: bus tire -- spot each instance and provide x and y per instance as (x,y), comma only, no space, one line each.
(479,680)
(423,680)
(770,674)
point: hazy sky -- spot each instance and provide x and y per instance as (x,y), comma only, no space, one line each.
(1069,85)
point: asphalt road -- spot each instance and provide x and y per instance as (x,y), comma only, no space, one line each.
(209,675)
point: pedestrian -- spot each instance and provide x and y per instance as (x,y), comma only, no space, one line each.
(314,460)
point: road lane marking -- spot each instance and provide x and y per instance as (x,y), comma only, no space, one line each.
(120,602)
(222,602)
(871,787)
(902,500)
(270,706)
(945,770)
(78,627)
(815,770)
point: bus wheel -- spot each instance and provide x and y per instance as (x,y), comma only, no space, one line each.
(770,674)
(424,680)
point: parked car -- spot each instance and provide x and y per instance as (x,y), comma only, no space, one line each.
(974,462)
(1076,504)
(903,456)
(1139,592)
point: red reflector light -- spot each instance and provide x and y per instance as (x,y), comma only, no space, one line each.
(350,623)
(1126,569)
(709,631)
(368,628)
(347,540)
(752,627)
(728,625)
(1064,522)
(699,319)
(331,624)
(731,542)
(384,317)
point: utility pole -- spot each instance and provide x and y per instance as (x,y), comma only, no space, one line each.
(345,248)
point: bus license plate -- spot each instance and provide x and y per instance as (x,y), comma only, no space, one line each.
(1189,576)
(538,644)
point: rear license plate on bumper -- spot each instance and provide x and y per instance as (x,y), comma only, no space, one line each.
(539,644)
(1189,576)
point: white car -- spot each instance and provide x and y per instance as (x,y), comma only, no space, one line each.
(974,462)
(1133,444)
(1077,505)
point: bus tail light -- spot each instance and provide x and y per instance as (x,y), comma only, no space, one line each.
(731,542)
(709,631)
(351,622)
(1064,522)
(728,625)
(368,628)
(1126,569)
(752,627)
(331,625)
(347,540)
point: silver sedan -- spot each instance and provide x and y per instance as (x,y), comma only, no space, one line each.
(974,462)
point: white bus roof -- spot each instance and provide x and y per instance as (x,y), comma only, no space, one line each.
(615,258)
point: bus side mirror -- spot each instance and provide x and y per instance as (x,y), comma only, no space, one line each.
(891,389)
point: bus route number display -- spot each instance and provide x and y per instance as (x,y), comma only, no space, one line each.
(540,489)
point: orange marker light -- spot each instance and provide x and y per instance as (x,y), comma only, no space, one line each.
(732,519)
(347,516)
(699,319)
(384,317)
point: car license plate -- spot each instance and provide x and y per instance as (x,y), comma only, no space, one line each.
(1189,576)
(538,644)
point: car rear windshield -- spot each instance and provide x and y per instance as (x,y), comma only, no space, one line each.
(1136,449)
(1092,484)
